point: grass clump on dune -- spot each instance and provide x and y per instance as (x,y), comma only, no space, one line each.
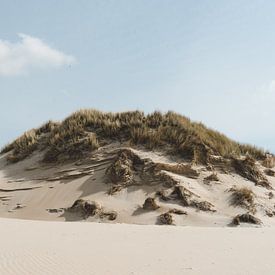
(86,130)
(23,146)
(243,197)
(246,218)
(247,168)
(69,141)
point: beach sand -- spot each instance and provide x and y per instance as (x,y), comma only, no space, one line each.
(41,247)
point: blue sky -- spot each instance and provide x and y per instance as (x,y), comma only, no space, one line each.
(213,61)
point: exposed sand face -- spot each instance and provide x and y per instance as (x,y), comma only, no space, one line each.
(30,190)
(201,244)
(52,248)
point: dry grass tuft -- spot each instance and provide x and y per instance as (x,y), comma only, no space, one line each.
(186,198)
(110,215)
(121,171)
(73,147)
(246,218)
(86,129)
(84,208)
(242,197)
(166,218)
(210,178)
(23,146)
(269,161)
(150,204)
(247,168)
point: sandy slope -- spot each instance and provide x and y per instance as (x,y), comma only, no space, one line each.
(39,247)
(202,245)
(36,188)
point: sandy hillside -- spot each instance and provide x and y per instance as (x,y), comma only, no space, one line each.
(31,189)
(128,193)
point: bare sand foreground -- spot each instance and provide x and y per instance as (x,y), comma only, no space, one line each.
(40,247)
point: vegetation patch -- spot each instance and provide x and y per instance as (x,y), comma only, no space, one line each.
(242,197)
(202,205)
(84,208)
(85,130)
(129,169)
(23,146)
(268,161)
(210,178)
(165,179)
(186,198)
(121,172)
(246,218)
(70,143)
(247,168)
(110,215)
(166,218)
(150,204)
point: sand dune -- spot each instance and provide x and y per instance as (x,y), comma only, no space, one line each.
(114,196)
(33,190)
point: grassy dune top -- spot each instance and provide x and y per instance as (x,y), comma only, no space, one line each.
(87,130)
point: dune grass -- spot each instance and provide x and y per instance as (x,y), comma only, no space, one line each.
(23,146)
(86,130)
(243,197)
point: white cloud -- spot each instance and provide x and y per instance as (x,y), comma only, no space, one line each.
(28,54)
(271,87)
(66,93)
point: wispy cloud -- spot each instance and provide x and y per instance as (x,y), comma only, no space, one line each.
(271,87)
(65,93)
(28,54)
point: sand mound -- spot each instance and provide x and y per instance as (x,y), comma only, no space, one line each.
(186,198)
(84,208)
(247,168)
(211,178)
(242,197)
(246,218)
(129,169)
(150,204)
(166,218)
(119,184)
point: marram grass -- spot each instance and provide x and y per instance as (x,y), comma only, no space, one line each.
(87,130)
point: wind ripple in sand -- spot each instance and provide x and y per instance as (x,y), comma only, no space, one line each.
(28,262)
(56,248)
(19,189)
